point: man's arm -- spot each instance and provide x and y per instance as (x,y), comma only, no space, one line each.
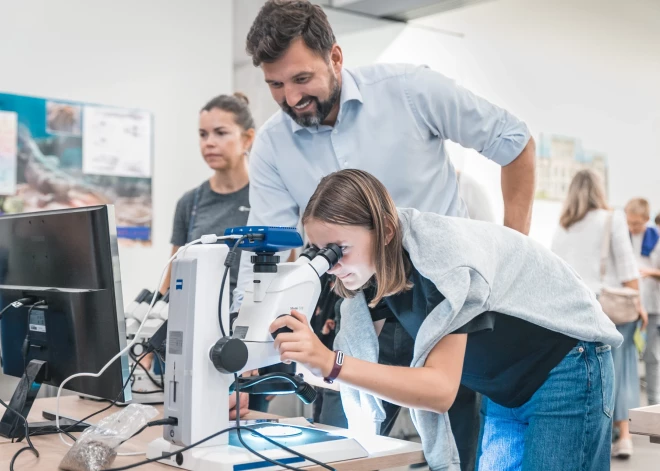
(518,189)
(451,112)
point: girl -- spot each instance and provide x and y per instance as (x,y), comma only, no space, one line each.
(487,307)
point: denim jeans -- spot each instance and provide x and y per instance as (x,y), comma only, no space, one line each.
(565,426)
(396,348)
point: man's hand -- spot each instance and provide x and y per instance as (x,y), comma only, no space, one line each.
(243,406)
(518,189)
(302,345)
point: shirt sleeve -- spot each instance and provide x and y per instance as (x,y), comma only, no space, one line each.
(271,204)
(181,221)
(621,250)
(483,322)
(452,112)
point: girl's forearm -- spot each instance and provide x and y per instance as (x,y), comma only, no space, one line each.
(418,388)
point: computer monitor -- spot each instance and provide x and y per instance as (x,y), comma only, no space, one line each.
(68,260)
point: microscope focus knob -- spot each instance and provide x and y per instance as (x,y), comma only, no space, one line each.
(229,355)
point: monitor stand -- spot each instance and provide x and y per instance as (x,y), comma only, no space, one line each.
(11,425)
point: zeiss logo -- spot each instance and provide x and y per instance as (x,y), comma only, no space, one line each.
(179,284)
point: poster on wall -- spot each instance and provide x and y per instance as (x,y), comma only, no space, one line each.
(49,143)
(8,143)
(558,159)
(116,142)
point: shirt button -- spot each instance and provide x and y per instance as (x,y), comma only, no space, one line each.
(334,131)
(345,164)
(580,349)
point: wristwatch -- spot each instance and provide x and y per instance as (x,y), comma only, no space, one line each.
(336,368)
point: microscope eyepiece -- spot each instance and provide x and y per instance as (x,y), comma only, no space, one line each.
(332,253)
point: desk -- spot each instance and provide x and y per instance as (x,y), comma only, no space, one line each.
(646,421)
(384,452)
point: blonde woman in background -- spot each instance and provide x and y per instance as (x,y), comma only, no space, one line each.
(583,222)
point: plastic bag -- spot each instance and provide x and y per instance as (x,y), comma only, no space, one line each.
(96,448)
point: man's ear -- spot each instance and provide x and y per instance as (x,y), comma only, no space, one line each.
(336,58)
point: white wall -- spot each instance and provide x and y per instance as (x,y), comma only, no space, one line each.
(587,68)
(165,57)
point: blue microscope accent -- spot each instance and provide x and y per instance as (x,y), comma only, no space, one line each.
(265,239)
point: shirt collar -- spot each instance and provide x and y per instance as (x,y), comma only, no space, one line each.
(349,92)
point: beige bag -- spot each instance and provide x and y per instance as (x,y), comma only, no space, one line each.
(620,304)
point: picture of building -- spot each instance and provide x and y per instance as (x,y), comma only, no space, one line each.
(558,159)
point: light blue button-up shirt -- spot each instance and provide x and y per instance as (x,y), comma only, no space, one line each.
(392,122)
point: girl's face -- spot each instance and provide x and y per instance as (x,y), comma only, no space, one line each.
(223,142)
(356,267)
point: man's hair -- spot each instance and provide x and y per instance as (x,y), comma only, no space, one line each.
(657,219)
(279,22)
(356,198)
(639,207)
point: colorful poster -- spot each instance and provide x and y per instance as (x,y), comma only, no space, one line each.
(8,149)
(116,142)
(48,139)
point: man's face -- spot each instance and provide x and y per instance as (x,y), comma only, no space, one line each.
(304,84)
(636,223)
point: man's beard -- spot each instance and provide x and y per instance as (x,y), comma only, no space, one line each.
(323,108)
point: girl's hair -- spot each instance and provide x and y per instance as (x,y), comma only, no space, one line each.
(585,193)
(236,104)
(356,198)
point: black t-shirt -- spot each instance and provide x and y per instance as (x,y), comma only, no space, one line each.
(506,358)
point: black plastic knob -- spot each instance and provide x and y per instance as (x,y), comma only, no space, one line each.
(281,329)
(229,355)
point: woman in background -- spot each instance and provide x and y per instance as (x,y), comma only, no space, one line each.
(226,132)
(584,221)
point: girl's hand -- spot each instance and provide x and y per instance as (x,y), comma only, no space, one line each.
(302,345)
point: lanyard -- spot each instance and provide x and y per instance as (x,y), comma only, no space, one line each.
(193,213)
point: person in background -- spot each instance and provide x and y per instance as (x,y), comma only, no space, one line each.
(647,250)
(226,133)
(657,221)
(584,220)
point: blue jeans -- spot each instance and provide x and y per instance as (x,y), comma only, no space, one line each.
(565,426)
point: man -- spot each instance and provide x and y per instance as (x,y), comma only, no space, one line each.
(390,120)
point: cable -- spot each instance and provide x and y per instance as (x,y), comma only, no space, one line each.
(26,342)
(268,439)
(229,261)
(151,378)
(27,437)
(16,304)
(206,239)
(112,403)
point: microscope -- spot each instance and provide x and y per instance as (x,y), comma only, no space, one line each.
(201,361)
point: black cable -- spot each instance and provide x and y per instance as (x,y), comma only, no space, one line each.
(13,459)
(27,437)
(238,428)
(147,392)
(229,260)
(151,378)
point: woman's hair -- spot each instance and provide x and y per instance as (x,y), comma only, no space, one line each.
(357,198)
(236,104)
(639,207)
(585,193)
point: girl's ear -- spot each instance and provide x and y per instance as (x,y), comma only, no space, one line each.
(389,232)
